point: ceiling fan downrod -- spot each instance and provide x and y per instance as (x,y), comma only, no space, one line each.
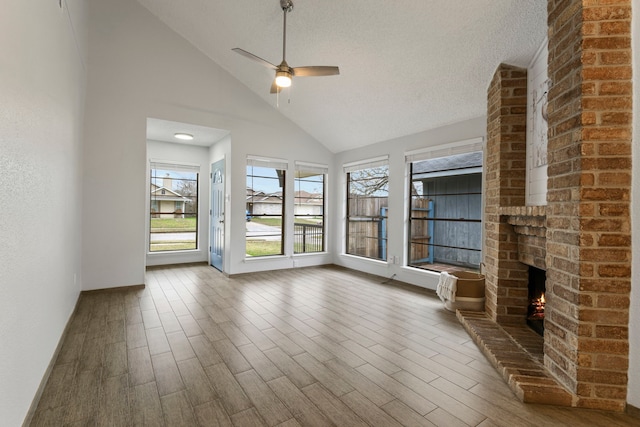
(287,6)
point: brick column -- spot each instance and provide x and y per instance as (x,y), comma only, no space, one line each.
(505,167)
(588,222)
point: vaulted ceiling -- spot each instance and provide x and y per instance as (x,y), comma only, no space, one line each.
(405,66)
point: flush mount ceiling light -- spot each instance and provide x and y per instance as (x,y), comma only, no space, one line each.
(183,136)
(284,72)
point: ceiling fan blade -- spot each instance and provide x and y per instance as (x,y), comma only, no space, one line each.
(254,58)
(315,70)
(275,88)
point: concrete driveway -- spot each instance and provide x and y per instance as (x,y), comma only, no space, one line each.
(168,237)
(257,231)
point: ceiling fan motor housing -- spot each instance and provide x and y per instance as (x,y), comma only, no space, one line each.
(286,5)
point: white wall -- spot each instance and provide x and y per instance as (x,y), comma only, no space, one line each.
(397,242)
(537,128)
(191,154)
(633,394)
(42,94)
(138,68)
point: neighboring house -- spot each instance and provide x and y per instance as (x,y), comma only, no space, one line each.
(308,203)
(166,203)
(261,203)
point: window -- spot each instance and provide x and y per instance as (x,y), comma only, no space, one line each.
(308,227)
(265,206)
(173,207)
(367,205)
(445,210)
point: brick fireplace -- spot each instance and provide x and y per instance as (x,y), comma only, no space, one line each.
(581,238)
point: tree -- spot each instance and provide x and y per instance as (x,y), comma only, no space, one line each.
(370,182)
(188,189)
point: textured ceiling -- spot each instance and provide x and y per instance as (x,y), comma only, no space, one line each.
(405,66)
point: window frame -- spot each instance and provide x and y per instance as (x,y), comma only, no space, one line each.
(277,165)
(322,171)
(380,250)
(443,151)
(176,169)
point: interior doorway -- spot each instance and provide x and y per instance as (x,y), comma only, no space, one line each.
(178,202)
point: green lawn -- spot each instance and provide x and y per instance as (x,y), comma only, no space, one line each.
(263,247)
(276,222)
(171,224)
(172,246)
(266,247)
(311,221)
(298,249)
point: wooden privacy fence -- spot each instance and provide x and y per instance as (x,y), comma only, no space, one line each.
(421,231)
(450,236)
(368,229)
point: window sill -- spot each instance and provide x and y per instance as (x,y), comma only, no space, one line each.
(365,259)
(184,251)
(304,254)
(265,257)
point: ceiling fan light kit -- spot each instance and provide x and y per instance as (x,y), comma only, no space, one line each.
(284,73)
(283,77)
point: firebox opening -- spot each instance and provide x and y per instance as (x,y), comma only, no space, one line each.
(535,310)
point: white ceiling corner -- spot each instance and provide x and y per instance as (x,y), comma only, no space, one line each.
(405,66)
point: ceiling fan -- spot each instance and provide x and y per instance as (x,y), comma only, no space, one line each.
(284,72)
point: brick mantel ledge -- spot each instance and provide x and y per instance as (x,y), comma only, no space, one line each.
(523,210)
(526,220)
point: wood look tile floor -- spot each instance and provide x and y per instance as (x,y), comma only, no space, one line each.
(321,346)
